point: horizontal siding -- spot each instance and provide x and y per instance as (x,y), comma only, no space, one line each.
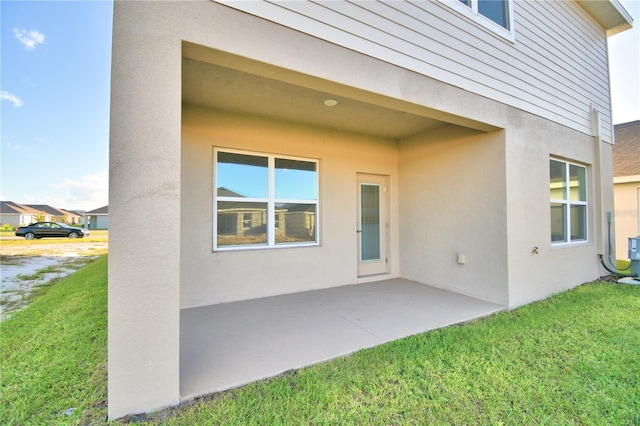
(523,82)
(578,55)
(556,68)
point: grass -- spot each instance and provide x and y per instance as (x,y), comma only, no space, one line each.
(571,359)
(54,353)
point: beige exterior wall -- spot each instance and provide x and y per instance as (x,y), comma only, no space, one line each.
(531,142)
(453,201)
(627,216)
(483,193)
(209,277)
(486,196)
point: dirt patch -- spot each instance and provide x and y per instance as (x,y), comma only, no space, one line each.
(54,249)
(22,276)
(26,266)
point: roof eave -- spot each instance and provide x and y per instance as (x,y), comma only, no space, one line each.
(608,13)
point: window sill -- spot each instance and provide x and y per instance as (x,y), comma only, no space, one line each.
(576,244)
(263,248)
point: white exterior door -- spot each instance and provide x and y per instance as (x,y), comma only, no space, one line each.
(371,224)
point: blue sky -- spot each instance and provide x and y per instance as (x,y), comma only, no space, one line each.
(56,59)
(624,64)
(55,78)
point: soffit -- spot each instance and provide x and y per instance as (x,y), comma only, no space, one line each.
(219,80)
(608,13)
(218,87)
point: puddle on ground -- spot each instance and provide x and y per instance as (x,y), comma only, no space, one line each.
(21,275)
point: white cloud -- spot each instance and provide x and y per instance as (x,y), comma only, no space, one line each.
(29,38)
(15,147)
(87,193)
(17,102)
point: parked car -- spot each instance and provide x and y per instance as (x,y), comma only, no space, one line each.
(50,229)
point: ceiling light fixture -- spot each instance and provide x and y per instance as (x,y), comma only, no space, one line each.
(331,102)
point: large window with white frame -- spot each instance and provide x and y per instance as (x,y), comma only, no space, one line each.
(568,195)
(496,15)
(264,200)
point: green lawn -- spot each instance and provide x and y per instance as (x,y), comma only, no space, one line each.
(572,359)
(54,353)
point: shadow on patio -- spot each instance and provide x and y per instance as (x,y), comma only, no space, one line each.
(227,345)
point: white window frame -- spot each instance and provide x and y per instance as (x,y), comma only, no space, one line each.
(568,203)
(472,13)
(271,201)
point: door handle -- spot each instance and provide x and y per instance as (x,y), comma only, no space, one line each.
(358,231)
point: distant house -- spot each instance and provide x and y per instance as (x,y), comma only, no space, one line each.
(97,219)
(277,147)
(16,214)
(71,217)
(53,214)
(626,184)
(22,214)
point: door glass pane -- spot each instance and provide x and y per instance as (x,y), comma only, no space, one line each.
(243,176)
(241,223)
(369,222)
(557,180)
(296,180)
(558,223)
(295,223)
(577,182)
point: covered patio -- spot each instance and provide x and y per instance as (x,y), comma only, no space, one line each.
(227,345)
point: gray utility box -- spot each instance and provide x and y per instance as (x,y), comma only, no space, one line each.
(634,255)
(634,248)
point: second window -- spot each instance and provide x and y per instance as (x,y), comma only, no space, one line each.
(568,193)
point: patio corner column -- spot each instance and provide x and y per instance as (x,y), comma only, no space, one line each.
(144,210)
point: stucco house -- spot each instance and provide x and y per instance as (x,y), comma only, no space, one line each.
(463,148)
(626,184)
(71,217)
(16,214)
(54,214)
(23,214)
(96,218)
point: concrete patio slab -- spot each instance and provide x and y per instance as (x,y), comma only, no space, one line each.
(228,345)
